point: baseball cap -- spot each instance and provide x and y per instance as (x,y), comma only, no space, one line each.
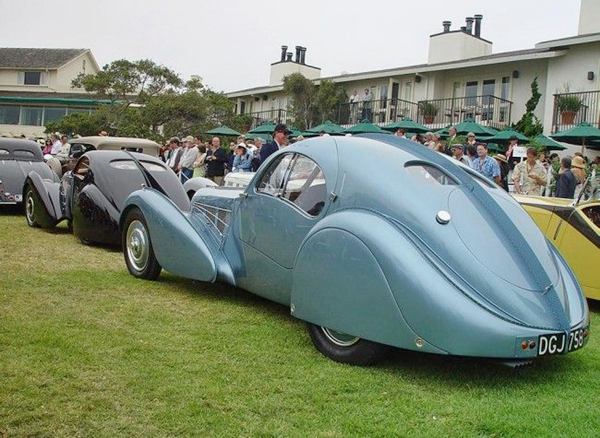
(281,127)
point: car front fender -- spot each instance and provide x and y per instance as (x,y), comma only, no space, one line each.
(177,244)
(48,211)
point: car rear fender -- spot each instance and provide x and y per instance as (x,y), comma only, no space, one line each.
(338,283)
(178,246)
(47,196)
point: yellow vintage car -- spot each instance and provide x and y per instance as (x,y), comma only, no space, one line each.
(574,228)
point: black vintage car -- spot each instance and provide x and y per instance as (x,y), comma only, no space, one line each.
(18,157)
(90,197)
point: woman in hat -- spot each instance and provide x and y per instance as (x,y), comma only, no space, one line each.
(242,161)
(504,169)
(578,169)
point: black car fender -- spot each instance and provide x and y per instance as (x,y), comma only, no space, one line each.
(48,211)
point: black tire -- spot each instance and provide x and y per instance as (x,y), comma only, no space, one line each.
(30,202)
(137,248)
(347,349)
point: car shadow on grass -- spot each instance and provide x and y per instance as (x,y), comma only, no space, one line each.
(452,370)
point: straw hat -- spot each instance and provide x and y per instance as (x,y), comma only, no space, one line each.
(501,157)
(578,162)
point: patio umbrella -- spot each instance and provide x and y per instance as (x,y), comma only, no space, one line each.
(365,127)
(582,135)
(503,137)
(548,143)
(327,127)
(408,125)
(224,131)
(480,131)
(495,147)
(265,128)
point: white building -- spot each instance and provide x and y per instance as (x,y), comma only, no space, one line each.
(35,87)
(462,78)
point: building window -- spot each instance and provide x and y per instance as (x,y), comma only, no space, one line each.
(31,115)
(9,115)
(78,110)
(505,90)
(31,78)
(242,107)
(471,92)
(52,114)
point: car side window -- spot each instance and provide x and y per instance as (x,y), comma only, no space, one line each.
(82,168)
(272,180)
(305,186)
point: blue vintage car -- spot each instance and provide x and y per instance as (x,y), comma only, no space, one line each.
(374,241)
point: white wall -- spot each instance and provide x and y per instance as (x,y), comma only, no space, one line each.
(66,74)
(280,70)
(589,17)
(454,46)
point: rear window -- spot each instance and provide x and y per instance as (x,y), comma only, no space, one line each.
(131,165)
(21,153)
(430,174)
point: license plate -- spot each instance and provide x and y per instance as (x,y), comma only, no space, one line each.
(559,343)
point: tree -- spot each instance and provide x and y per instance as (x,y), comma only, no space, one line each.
(529,124)
(327,100)
(147,100)
(302,93)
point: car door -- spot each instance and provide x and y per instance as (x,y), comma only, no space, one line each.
(281,207)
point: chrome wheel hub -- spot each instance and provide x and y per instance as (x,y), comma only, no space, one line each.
(138,245)
(30,208)
(340,339)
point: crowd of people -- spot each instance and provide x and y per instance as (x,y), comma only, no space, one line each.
(192,157)
(536,174)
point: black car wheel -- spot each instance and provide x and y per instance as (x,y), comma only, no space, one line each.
(346,348)
(30,204)
(137,248)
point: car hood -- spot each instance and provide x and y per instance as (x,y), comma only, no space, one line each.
(219,197)
(14,172)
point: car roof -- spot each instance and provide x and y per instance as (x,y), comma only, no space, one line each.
(12,144)
(118,143)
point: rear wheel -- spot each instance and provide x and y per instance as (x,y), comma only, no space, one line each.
(137,248)
(345,348)
(30,205)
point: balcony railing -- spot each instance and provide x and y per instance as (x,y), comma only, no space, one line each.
(570,109)
(380,111)
(435,113)
(486,110)
(268,116)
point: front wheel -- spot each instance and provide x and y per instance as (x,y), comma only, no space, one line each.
(137,248)
(345,348)
(30,205)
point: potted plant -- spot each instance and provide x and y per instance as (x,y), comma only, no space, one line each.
(429,111)
(568,105)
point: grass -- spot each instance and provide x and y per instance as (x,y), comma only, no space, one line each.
(87,350)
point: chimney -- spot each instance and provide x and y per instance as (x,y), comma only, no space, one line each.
(288,56)
(303,55)
(298,50)
(283,52)
(446,25)
(469,26)
(478,19)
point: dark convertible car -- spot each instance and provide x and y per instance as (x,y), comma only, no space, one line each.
(90,197)
(18,157)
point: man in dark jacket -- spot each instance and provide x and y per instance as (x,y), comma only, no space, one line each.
(280,134)
(566,182)
(215,161)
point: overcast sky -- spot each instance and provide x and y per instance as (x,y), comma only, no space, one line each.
(231,43)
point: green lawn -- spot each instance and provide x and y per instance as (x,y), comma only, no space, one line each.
(87,350)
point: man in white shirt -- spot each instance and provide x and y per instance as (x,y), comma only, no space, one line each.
(186,164)
(65,147)
(174,154)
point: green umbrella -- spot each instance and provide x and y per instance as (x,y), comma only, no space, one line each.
(294,132)
(408,125)
(265,128)
(480,131)
(327,127)
(548,143)
(494,147)
(224,131)
(503,137)
(365,127)
(582,135)
(265,137)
